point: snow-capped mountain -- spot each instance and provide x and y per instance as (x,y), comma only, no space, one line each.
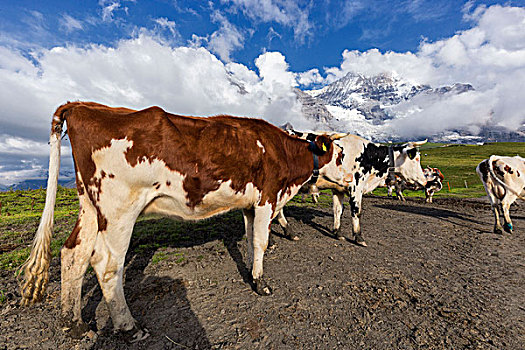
(367,106)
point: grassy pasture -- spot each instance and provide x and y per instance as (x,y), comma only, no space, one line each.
(21,210)
(458,164)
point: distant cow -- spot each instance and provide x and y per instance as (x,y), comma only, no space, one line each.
(131,162)
(504,181)
(434,184)
(366,165)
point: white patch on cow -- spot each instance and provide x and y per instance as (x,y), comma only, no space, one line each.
(261,231)
(216,202)
(284,197)
(261,146)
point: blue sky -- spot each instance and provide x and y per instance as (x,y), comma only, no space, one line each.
(245,57)
(310,34)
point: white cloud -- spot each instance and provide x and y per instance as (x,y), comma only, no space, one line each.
(70,24)
(165,23)
(136,73)
(107,9)
(285,12)
(310,77)
(490,56)
(225,40)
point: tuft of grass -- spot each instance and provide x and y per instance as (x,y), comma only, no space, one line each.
(158,257)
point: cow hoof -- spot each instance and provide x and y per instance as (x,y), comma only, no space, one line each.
(261,287)
(507,227)
(359,240)
(76,330)
(290,233)
(339,235)
(498,230)
(134,335)
(361,243)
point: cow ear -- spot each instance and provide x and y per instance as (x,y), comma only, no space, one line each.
(322,143)
(411,152)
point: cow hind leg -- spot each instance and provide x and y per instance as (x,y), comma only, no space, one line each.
(248,216)
(108,262)
(288,230)
(497,225)
(507,226)
(75,255)
(261,231)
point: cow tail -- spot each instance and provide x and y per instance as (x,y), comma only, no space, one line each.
(36,268)
(502,183)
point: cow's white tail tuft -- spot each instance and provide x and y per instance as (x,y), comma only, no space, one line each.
(36,267)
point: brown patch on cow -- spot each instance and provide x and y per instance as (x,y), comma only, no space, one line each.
(339,159)
(80,187)
(73,240)
(206,150)
(97,191)
(101,220)
(111,176)
(508,169)
(168,183)
(102,174)
(497,170)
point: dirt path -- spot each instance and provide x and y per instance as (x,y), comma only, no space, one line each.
(432,277)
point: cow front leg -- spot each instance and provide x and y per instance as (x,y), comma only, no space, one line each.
(507,226)
(261,230)
(355,207)
(428,195)
(289,232)
(75,255)
(399,193)
(338,198)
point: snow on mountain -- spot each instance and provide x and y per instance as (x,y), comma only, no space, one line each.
(368,106)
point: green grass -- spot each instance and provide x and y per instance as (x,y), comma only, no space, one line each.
(19,218)
(458,165)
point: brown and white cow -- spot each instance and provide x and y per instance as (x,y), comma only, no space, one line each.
(131,162)
(504,182)
(366,165)
(434,184)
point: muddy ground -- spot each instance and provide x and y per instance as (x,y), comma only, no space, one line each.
(433,276)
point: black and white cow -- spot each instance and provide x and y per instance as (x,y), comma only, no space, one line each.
(434,184)
(366,165)
(504,182)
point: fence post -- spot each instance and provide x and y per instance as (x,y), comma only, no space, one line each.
(448,184)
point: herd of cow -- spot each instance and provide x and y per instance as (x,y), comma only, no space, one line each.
(130,162)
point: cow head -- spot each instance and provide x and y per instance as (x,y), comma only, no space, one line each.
(331,156)
(433,173)
(408,163)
